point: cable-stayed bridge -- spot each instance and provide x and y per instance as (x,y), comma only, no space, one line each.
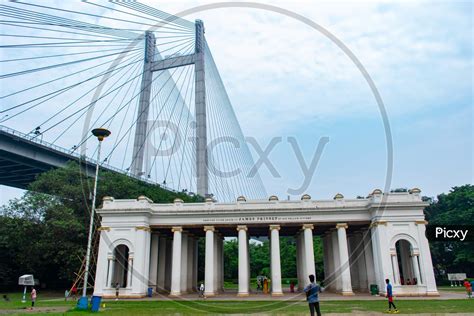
(146,75)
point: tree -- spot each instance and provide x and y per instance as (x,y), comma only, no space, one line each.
(45,232)
(454,208)
(231,259)
(288,257)
(259,259)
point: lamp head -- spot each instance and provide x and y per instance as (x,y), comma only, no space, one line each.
(100,133)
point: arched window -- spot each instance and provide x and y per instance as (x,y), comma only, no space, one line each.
(121,253)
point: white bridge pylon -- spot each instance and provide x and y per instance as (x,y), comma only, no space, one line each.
(142,128)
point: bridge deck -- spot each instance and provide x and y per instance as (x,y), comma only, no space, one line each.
(24,157)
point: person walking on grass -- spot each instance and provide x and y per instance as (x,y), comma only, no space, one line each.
(389,295)
(33,297)
(312,291)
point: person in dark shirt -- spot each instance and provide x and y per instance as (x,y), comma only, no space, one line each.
(312,291)
(389,295)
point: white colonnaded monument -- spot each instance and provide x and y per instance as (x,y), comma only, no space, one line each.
(365,241)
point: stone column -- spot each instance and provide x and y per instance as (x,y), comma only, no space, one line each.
(395,268)
(243,261)
(309,250)
(344,259)
(110,275)
(130,272)
(155,238)
(426,264)
(416,268)
(160,283)
(209,273)
(275,260)
(176,261)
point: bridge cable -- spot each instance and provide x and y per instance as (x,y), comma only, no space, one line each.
(177,24)
(129,129)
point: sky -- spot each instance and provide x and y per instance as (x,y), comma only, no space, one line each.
(287,80)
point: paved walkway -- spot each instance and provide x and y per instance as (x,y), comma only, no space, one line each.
(326,296)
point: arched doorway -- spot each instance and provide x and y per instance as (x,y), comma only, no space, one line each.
(405,263)
(121,268)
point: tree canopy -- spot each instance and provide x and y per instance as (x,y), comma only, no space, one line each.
(454,208)
(44,233)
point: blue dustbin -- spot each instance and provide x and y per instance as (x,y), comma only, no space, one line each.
(150,292)
(83,303)
(95,303)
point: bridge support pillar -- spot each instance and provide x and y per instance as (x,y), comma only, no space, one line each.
(200,112)
(143,106)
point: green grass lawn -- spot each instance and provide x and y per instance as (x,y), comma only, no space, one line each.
(57,306)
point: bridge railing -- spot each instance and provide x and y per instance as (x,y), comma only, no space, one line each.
(74,155)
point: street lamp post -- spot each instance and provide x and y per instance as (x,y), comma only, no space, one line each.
(101,134)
